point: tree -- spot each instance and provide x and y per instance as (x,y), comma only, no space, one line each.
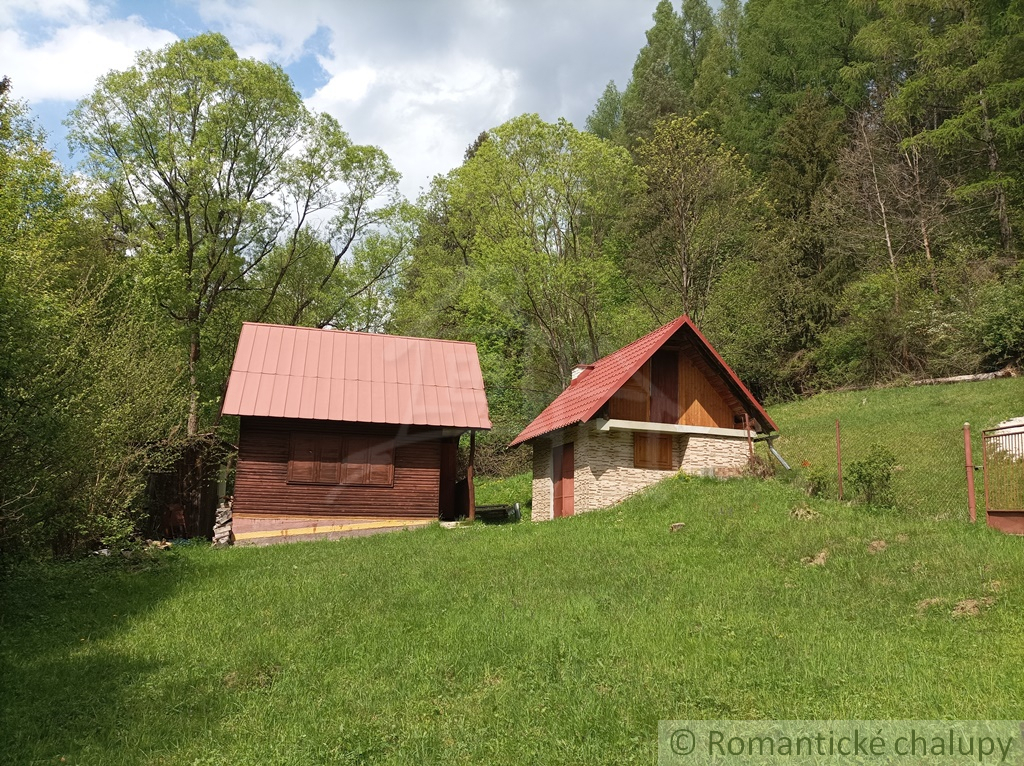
(655,89)
(790,48)
(699,209)
(953,77)
(223,187)
(606,119)
(87,391)
(516,251)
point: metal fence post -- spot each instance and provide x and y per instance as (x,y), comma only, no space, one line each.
(839,459)
(972,504)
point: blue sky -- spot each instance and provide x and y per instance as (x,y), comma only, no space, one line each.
(419,79)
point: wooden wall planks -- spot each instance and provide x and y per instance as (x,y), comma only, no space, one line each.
(261,481)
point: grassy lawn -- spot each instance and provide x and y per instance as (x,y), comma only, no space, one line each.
(562,642)
(517,489)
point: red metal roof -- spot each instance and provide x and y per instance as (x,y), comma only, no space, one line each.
(302,372)
(595,386)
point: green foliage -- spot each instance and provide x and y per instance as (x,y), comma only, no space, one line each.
(516,251)
(87,388)
(700,209)
(870,478)
(820,481)
(1001,320)
(218,180)
(606,119)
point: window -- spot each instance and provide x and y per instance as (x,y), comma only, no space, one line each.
(314,459)
(333,459)
(368,460)
(652,451)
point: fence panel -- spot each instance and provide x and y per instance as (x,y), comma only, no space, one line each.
(1004,469)
(925,465)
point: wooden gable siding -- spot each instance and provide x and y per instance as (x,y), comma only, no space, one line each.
(262,486)
(633,400)
(699,403)
(715,380)
(676,386)
(665,387)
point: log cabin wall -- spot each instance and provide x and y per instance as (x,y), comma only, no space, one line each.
(262,486)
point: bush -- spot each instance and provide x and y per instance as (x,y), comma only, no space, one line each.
(871,478)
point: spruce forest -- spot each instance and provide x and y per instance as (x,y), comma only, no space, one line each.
(833,191)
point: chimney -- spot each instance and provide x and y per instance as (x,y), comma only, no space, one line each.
(579,369)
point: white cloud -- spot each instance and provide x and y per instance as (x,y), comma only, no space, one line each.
(423,115)
(264,29)
(347,85)
(419,79)
(51,10)
(66,65)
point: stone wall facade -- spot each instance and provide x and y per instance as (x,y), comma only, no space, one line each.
(604,472)
(719,456)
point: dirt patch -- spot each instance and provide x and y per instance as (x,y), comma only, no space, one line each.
(258,678)
(804,513)
(877,546)
(971,607)
(902,538)
(816,561)
(995,586)
(926,604)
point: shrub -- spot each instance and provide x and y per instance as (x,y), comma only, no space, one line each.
(871,478)
(819,481)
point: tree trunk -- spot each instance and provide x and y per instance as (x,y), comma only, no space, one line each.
(882,209)
(1005,228)
(913,159)
(193,383)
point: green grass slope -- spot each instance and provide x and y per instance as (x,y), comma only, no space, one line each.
(562,642)
(922,426)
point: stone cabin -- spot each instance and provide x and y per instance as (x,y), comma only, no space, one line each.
(663,404)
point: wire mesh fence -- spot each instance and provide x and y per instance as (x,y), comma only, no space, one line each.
(1003,460)
(901,448)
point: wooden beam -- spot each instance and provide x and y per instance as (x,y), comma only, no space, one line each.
(469,475)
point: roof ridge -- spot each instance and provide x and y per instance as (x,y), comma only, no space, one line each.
(357,332)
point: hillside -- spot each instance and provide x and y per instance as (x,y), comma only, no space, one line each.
(558,642)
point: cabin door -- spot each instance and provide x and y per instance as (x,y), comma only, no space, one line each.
(563,470)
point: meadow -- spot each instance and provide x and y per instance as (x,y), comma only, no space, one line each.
(562,642)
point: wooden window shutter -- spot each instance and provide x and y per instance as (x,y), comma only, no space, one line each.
(368,460)
(652,451)
(354,461)
(329,461)
(302,461)
(381,463)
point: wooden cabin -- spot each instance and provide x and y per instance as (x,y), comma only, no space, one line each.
(663,404)
(350,425)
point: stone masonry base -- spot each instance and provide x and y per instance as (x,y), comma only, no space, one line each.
(604,472)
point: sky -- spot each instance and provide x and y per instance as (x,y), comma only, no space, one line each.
(419,78)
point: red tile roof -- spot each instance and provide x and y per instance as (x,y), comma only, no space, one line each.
(302,372)
(594,386)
